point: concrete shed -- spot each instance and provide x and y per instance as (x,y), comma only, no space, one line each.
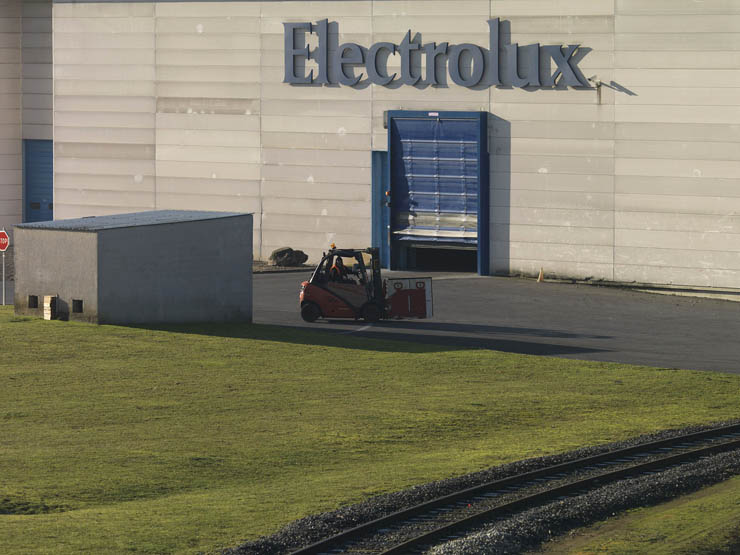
(164,266)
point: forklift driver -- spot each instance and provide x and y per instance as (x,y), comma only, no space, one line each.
(338,272)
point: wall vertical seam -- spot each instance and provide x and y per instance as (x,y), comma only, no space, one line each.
(22,184)
(20,48)
(489,141)
(53,111)
(261,143)
(614,148)
(154,115)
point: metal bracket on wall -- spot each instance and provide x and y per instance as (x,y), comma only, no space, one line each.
(597,84)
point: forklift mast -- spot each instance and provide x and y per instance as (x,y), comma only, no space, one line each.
(374,253)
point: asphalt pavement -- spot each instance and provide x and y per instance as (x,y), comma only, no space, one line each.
(553,319)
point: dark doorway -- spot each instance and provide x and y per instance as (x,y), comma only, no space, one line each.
(435,259)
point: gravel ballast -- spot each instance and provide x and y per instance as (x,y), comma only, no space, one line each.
(530,528)
(316,527)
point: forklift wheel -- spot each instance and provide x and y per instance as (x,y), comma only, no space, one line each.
(310,312)
(371,313)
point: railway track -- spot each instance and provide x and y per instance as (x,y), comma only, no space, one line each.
(418,528)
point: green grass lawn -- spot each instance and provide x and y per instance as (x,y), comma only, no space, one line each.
(118,439)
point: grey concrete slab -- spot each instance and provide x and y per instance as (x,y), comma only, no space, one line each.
(522,316)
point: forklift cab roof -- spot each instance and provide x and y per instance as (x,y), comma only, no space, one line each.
(347,253)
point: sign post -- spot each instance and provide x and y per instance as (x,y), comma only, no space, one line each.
(4,244)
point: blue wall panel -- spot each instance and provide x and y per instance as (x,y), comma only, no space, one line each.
(38,176)
(381,206)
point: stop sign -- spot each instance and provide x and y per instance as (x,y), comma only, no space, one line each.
(4,240)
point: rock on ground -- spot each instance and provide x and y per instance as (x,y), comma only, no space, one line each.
(285,256)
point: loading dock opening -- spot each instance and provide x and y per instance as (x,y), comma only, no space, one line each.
(434,202)
(434,258)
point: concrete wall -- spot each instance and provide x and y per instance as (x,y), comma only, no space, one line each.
(37,69)
(203,121)
(185,272)
(677,142)
(182,105)
(104,109)
(25,94)
(552,163)
(316,141)
(60,263)
(139,127)
(10,113)
(207,92)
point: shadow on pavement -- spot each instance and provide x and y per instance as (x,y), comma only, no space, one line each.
(300,336)
(485,329)
(469,342)
(372,339)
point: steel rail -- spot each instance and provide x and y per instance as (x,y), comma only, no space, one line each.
(346,536)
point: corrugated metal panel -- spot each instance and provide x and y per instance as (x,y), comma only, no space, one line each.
(434,176)
(38,173)
(136,219)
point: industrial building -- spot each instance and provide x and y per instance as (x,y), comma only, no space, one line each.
(159,266)
(596,139)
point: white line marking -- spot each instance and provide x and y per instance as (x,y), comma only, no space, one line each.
(363,328)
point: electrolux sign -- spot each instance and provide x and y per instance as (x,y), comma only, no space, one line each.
(467,64)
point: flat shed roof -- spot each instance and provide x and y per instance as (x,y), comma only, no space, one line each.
(154,217)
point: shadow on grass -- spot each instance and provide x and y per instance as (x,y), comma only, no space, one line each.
(387,337)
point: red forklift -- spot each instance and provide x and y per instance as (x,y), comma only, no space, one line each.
(347,284)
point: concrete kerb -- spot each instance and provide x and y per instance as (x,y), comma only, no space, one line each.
(284,271)
(262,268)
(732,295)
(720,296)
(724,294)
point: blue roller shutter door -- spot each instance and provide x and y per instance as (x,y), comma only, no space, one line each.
(435,168)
